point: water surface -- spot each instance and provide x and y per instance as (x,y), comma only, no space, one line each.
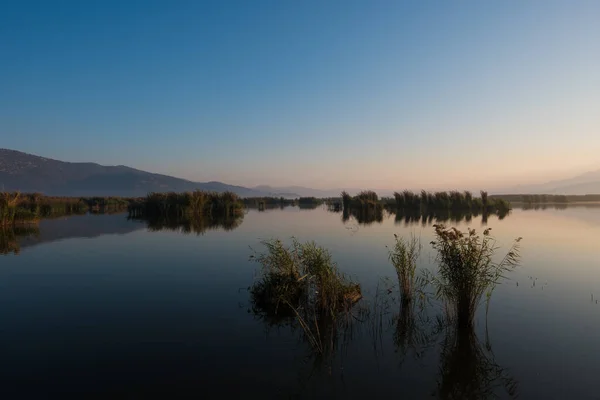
(102,305)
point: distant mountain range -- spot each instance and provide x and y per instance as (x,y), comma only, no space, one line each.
(30,173)
(587,183)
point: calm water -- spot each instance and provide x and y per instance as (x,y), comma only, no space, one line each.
(99,305)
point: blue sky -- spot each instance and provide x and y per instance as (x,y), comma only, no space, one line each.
(379,94)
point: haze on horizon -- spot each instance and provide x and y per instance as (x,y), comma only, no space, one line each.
(321,94)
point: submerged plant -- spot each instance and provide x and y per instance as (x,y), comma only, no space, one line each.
(466,270)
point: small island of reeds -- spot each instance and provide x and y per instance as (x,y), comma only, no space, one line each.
(197,203)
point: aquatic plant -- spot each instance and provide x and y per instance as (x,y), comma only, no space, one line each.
(466,270)
(346,200)
(366,207)
(189,203)
(403,257)
(303,283)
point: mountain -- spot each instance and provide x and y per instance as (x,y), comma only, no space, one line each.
(29,173)
(587,183)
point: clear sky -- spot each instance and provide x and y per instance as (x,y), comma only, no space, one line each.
(379,94)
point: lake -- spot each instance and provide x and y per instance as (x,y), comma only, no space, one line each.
(102,306)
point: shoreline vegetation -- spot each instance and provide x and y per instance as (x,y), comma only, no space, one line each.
(366,206)
(26,209)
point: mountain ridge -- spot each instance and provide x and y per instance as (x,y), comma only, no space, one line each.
(32,173)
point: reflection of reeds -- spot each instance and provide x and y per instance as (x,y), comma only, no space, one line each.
(10,236)
(193,224)
(430,217)
(467,370)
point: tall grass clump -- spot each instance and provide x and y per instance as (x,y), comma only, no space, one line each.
(467,271)
(12,212)
(346,200)
(403,257)
(197,203)
(302,283)
(445,203)
(366,207)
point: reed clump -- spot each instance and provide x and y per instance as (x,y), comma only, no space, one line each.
(454,201)
(12,212)
(365,207)
(301,283)
(197,203)
(466,270)
(403,257)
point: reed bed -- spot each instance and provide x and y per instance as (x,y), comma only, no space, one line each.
(18,208)
(428,202)
(302,284)
(197,203)
(466,270)
(403,257)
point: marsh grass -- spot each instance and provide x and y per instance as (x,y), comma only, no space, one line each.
(11,213)
(466,270)
(197,203)
(403,257)
(17,208)
(303,283)
(426,203)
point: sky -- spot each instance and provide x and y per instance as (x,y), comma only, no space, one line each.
(374,94)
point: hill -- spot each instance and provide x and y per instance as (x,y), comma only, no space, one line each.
(30,173)
(587,183)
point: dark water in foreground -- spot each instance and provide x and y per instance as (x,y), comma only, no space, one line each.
(100,306)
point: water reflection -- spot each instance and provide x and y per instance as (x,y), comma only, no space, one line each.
(467,367)
(197,225)
(11,237)
(407,218)
(14,240)
(363,216)
(444,216)
(468,370)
